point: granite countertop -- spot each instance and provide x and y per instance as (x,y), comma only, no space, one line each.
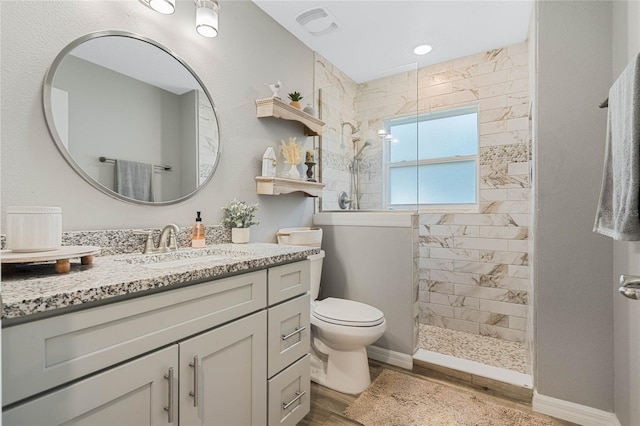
(33,289)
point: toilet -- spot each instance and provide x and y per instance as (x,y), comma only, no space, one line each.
(340,332)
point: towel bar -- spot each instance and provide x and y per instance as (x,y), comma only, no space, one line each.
(113,160)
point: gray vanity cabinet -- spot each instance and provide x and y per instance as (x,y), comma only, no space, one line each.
(231,351)
(219,380)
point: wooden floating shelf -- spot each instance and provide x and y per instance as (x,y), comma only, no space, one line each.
(267,185)
(273,107)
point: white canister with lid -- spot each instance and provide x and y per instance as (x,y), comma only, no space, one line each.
(34,228)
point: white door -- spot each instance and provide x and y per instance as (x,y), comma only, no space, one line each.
(626,314)
(223,375)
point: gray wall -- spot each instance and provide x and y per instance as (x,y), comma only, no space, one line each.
(250,51)
(373,265)
(626,255)
(573,299)
(116,116)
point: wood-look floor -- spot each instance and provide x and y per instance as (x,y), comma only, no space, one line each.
(328,405)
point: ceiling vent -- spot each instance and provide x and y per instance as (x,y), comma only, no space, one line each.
(318,21)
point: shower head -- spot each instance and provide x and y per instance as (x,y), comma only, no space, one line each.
(366,144)
(354,129)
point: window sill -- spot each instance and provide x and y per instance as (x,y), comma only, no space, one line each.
(439,208)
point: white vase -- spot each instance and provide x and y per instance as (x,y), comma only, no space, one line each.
(292,173)
(309,110)
(240,235)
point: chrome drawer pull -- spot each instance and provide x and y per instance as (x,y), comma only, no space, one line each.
(294,332)
(169,409)
(297,397)
(194,392)
(630,286)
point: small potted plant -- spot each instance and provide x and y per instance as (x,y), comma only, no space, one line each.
(295,97)
(238,216)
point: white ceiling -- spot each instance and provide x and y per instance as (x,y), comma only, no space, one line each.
(139,60)
(375,37)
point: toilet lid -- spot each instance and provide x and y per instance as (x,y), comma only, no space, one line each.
(347,312)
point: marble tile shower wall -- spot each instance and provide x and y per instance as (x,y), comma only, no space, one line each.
(337,93)
(378,100)
(208,138)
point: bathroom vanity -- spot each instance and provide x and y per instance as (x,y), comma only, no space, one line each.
(221,337)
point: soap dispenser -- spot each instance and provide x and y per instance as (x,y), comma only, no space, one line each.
(197,233)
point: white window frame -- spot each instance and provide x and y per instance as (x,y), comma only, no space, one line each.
(448,207)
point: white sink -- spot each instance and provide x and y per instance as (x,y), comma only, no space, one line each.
(184,257)
(187,261)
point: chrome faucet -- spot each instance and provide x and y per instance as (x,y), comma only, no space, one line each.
(166,231)
(167,242)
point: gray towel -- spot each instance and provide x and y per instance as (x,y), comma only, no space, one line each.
(134,180)
(618,214)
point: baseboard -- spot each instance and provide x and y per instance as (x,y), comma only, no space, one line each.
(390,357)
(572,412)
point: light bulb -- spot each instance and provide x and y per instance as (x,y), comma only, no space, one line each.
(423,49)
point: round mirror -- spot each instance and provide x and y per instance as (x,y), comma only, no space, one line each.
(131,118)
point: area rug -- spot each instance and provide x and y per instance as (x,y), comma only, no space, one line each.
(397,399)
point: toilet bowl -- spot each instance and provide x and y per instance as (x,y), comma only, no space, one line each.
(340,332)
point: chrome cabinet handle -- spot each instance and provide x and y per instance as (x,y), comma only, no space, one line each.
(194,392)
(293,333)
(169,409)
(299,395)
(630,286)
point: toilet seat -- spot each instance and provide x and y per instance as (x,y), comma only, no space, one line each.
(347,313)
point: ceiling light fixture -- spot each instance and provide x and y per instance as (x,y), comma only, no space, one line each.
(166,7)
(206,13)
(207,17)
(423,49)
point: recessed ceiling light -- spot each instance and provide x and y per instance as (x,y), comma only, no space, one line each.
(423,49)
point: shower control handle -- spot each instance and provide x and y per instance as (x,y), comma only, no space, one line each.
(630,286)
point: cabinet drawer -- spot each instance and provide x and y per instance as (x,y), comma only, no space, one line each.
(289,394)
(288,333)
(39,355)
(287,281)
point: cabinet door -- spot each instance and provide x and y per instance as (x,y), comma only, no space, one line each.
(135,393)
(223,375)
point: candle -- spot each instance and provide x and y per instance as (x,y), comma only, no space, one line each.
(309,157)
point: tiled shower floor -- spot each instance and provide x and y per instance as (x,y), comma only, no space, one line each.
(473,347)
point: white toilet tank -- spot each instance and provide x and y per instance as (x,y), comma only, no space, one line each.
(316,273)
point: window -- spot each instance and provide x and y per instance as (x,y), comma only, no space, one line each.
(433,159)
